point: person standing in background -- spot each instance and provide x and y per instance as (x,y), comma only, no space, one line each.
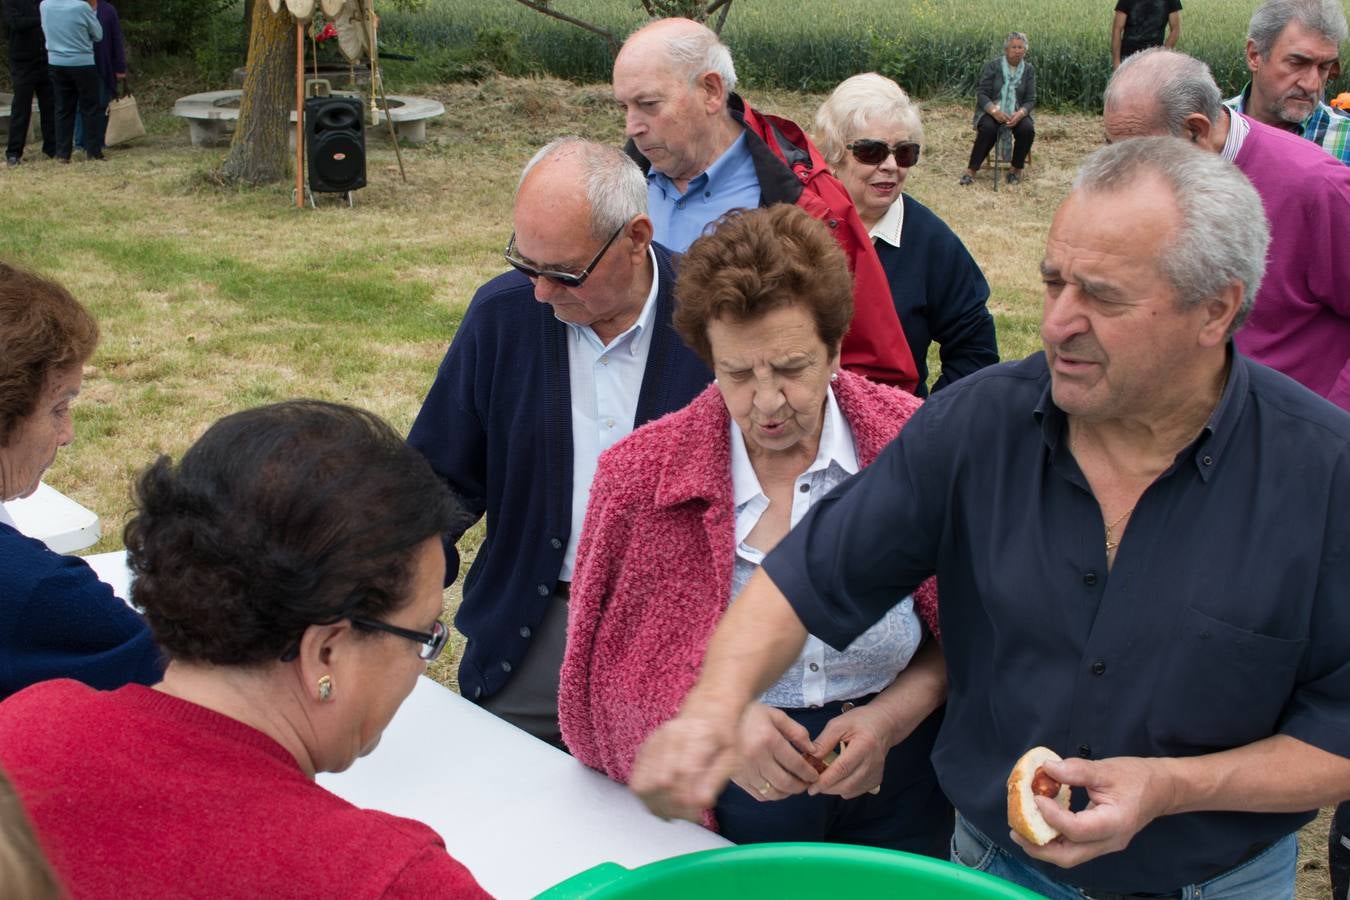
(110,59)
(72,28)
(28,71)
(1140,24)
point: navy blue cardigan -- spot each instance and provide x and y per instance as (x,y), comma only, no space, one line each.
(57,620)
(497,426)
(940,295)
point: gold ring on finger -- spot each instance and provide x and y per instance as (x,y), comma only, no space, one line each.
(764,789)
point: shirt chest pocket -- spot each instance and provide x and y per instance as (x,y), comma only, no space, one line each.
(1220,686)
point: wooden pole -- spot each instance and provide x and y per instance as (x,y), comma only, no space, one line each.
(299,114)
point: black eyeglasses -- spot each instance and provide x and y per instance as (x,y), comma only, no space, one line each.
(433,642)
(566,279)
(871,152)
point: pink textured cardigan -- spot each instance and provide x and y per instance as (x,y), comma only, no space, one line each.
(654,566)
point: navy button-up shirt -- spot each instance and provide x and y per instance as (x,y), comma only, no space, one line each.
(1225,619)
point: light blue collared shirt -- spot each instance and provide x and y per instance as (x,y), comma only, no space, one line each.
(820,673)
(729,183)
(606,381)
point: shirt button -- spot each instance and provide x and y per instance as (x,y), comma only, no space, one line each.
(542,590)
(1099,668)
(555,543)
(609,423)
(506,666)
(604,360)
(679,205)
(1085,751)
(1207,460)
(813,667)
(805,488)
(1089,578)
(525,631)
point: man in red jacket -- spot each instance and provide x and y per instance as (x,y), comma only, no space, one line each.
(705,152)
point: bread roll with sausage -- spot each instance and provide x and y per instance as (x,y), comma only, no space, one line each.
(1026,781)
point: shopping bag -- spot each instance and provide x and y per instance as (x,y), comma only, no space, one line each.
(124,120)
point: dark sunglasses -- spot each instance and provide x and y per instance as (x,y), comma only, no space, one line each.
(566,279)
(874,153)
(433,642)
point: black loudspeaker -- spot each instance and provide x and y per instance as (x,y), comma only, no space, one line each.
(335,135)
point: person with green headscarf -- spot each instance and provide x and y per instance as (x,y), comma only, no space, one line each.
(1005,99)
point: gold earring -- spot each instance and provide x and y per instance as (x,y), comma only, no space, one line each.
(326,688)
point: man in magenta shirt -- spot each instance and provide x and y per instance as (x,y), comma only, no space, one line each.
(1300,324)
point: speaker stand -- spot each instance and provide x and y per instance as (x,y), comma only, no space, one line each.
(310,198)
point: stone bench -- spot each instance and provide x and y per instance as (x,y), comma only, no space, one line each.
(212,116)
(6,103)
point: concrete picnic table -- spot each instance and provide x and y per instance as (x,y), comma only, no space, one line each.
(212,115)
(53,518)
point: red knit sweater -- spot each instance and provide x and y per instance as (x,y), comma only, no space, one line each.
(654,567)
(134,793)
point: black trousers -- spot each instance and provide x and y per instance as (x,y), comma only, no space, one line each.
(31,80)
(76,89)
(911,813)
(986,133)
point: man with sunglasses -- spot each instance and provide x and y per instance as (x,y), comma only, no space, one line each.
(706,152)
(554,362)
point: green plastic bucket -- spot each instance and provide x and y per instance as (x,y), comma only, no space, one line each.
(777,871)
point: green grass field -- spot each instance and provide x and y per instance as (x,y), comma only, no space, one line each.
(932,47)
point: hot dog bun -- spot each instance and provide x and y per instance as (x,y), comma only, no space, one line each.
(1023,816)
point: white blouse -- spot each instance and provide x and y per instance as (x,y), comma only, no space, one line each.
(820,673)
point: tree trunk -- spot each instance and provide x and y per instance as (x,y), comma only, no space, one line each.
(259,153)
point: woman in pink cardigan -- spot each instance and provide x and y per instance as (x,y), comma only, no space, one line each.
(683,511)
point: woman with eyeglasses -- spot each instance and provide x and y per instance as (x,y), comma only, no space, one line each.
(290,565)
(683,510)
(871,135)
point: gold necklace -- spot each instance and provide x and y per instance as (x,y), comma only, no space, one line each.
(1110,544)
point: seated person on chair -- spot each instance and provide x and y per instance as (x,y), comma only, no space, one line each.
(1005,98)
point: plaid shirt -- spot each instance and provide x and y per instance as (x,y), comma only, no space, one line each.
(1326,127)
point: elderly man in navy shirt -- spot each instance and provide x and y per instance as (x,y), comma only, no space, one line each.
(1142,543)
(553,363)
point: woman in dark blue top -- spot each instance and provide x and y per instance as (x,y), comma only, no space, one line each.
(56,618)
(870,134)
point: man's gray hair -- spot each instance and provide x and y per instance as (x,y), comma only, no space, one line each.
(1326,17)
(700,50)
(616,189)
(1179,85)
(1016,36)
(1223,233)
(861,102)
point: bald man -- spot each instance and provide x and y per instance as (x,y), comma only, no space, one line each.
(705,152)
(554,362)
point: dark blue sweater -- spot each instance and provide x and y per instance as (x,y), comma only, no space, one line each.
(57,620)
(940,295)
(497,426)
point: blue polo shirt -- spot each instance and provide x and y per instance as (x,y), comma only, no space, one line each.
(1224,620)
(678,219)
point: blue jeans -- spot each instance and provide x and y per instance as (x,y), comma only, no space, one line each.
(1266,876)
